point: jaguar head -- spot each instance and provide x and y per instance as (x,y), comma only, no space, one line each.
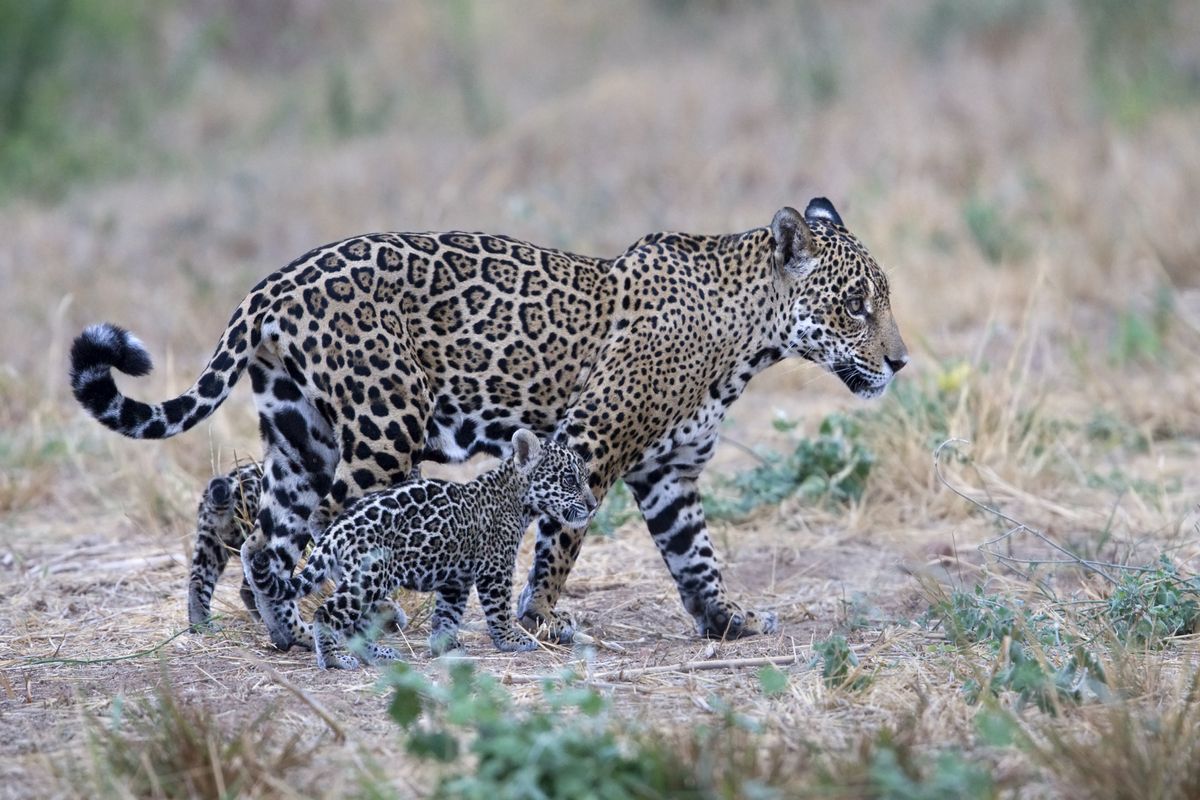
(839,311)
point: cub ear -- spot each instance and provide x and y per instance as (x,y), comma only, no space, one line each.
(795,248)
(821,208)
(527,449)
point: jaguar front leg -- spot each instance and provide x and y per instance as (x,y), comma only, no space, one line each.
(670,503)
(555,552)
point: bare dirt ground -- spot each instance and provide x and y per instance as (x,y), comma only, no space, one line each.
(1045,269)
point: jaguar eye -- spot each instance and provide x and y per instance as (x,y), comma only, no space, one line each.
(854,305)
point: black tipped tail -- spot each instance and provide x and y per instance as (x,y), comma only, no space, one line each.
(106,346)
(95,353)
(102,348)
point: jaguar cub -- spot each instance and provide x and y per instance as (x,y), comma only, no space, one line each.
(430,535)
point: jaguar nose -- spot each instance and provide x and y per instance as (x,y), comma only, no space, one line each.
(896,364)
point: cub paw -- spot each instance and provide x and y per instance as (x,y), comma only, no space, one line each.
(514,642)
(337,661)
(379,653)
(442,643)
(730,621)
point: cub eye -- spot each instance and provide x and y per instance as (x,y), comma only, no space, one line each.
(854,305)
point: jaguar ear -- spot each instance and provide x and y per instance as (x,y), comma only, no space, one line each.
(821,208)
(527,449)
(795,248)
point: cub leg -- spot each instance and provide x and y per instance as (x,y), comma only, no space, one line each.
(495,595)
(447,614)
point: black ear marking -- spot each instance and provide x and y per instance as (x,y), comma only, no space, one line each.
(821,208)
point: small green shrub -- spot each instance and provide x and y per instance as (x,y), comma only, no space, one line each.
(833,466)
(79,79)
(1149,606)
(1134,52)
(888,766)
(566,749)
(993,232)
(839,664)
(1106,428)
(617,509)
(1140,335)
(1029,653)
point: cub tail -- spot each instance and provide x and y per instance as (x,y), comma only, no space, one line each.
(279,585)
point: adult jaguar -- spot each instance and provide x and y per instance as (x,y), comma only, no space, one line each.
(372,353)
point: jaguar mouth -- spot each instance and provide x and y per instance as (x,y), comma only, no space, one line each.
(857,382)
(577,518)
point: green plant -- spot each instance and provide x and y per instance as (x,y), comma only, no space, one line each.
(1124,748)
(1133,60)
(1106,428)
(617,509)
(992,231)
(565,749)
(839,664)
(1030,653)
(833,466)
(1149,606)
(1141,335)
(573,746)
(888,766)
(78,81)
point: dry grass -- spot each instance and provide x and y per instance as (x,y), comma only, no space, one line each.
(1030,231)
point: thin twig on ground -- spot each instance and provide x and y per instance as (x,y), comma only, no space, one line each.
(1097,567)
(339,733)
(683,666)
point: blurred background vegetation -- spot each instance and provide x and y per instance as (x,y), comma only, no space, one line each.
(92,89)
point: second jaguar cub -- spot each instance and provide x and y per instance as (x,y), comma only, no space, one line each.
(430,535)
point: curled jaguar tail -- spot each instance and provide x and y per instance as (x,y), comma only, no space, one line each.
(104,347)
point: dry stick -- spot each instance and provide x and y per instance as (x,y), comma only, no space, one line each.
(1020,527)
(683,666)
(339,733)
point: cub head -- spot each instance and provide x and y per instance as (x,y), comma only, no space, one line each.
(840,315)
(558,480)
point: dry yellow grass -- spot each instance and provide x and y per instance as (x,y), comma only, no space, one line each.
(1030,239)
